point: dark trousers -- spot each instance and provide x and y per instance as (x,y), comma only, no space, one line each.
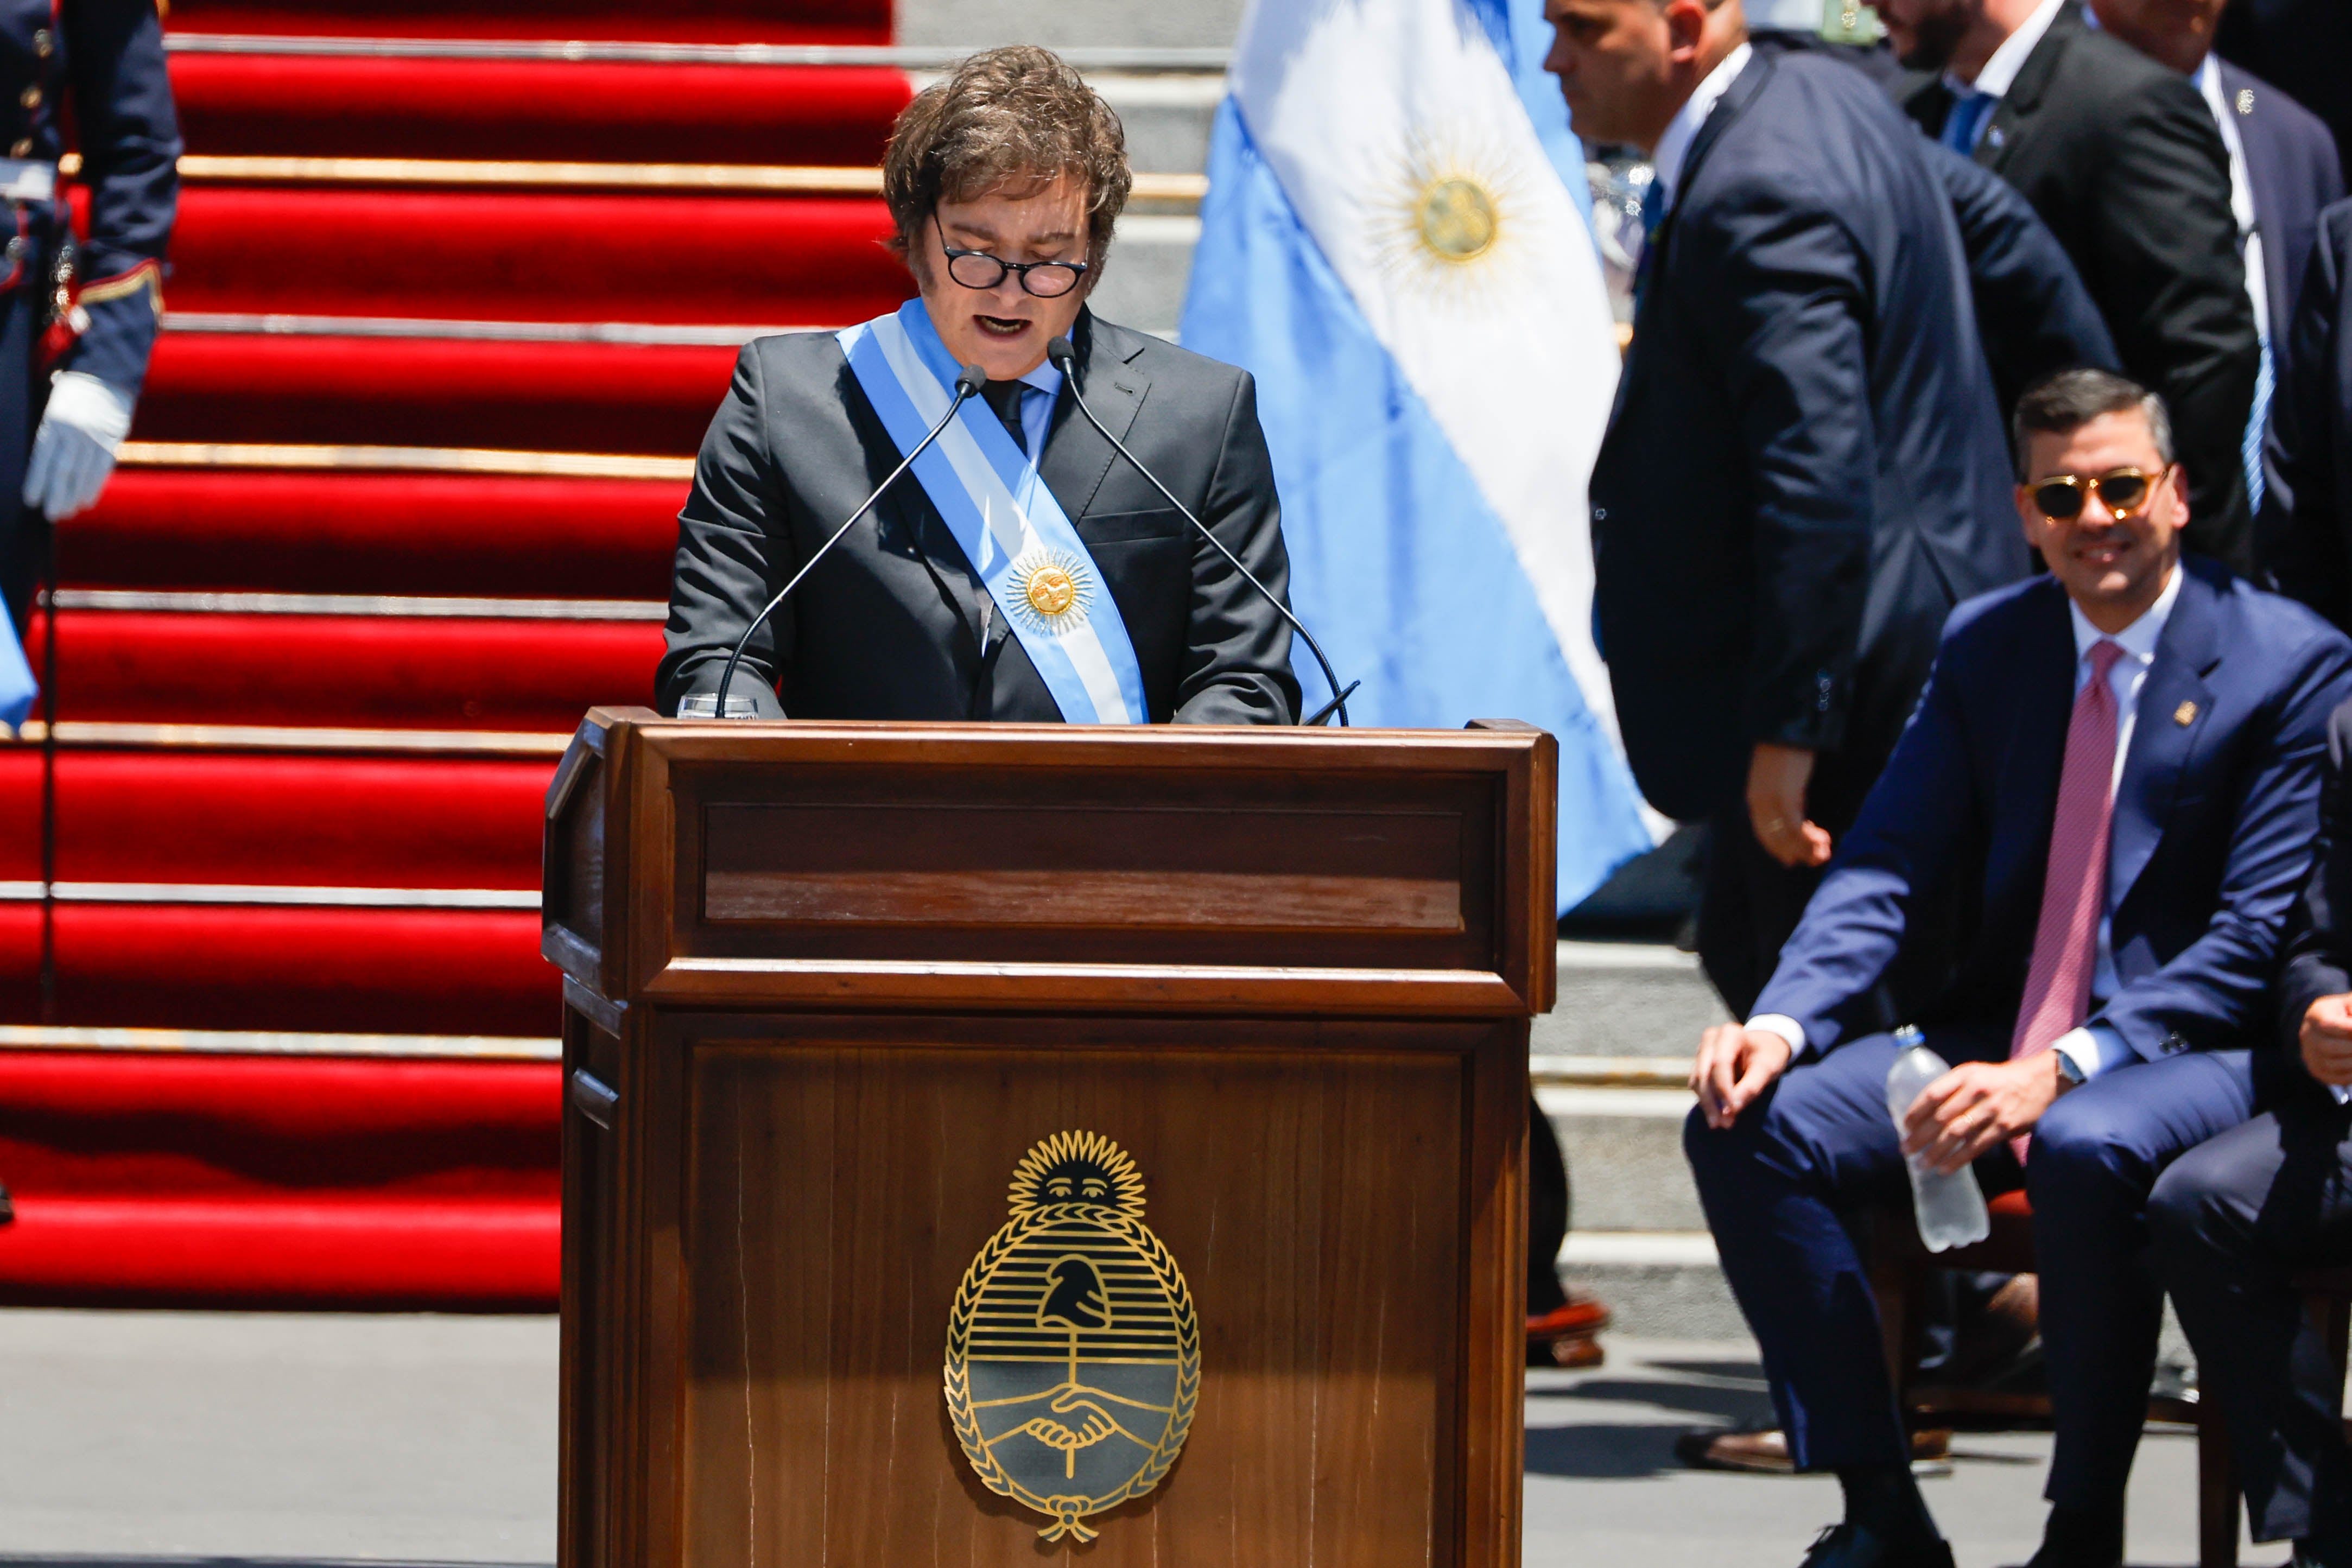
(2231,1221)
(23,393)
(1547,1213)
(1787,1190)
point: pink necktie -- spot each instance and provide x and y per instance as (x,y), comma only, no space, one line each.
(2074,884)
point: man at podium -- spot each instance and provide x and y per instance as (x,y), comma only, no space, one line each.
(1021,569)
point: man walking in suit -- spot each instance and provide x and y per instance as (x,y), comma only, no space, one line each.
(2234,1219)
(2120,157)
(1805,469)
(1021,570)
(2118,765)
(2282,170)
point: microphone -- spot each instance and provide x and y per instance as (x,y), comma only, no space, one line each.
(1064,358)
(970,381)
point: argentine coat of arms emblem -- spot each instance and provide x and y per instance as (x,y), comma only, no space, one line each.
(1074,1352)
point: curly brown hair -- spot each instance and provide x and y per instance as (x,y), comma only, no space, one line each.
(1010,116)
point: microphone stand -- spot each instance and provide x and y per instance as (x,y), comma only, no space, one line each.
(969,383)
(1065,360)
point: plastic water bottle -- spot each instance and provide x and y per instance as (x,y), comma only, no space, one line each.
(1950,1208)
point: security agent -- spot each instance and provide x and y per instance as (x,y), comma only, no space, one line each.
(78,319)
(1023,569)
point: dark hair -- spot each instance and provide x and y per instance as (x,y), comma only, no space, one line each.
(2063,403)
(1011,115)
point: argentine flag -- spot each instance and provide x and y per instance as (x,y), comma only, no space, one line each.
(1395,242)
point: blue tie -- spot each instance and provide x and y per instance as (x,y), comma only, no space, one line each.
(2265,387)
(1967,121)
(1654,213)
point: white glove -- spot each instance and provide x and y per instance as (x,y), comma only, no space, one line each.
(74,453)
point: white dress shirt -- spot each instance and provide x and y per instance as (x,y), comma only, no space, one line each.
(2241,191)
(1999,74)
(1674,146)
(2094,1048)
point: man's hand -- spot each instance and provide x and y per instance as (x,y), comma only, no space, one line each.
(1776,777)
(1734,1065)
(2327,1039)
(1978,1104)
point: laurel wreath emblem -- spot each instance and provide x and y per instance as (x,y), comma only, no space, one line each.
(1068,1512)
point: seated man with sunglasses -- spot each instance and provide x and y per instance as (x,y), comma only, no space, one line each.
(1021,569)
(2118,766)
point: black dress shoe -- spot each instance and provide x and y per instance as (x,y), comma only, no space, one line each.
(2080,1537)
(1852,1545)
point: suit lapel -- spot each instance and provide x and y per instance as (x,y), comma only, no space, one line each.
(1728,107)
(2263,172)
(2026,94)
(2175,706)
(2045,706)
(1077,457)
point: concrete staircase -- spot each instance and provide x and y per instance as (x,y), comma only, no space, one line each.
(1609,1065)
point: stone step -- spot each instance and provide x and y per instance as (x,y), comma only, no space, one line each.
(1656,1283)
(1627,999)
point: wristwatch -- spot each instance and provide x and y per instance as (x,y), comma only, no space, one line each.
(2070,1072)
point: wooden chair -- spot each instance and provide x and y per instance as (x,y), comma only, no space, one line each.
(1898,1269)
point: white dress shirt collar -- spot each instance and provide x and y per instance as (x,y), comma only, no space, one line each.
(2139,639)
(1674,146)
(2000,72)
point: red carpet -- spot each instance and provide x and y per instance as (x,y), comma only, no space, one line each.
(435,391)
(509,257)
(462,535)
(321,893)
(544,111)
(376,671)
(192,816)
(674,21)
(390,971)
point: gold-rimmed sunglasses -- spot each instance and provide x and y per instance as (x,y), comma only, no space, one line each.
(2124,491)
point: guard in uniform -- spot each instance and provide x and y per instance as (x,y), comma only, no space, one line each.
(79,314)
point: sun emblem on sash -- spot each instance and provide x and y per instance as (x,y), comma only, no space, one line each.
(1074,1354)
(1051,591)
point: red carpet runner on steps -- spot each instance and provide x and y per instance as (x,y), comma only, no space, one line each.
(399,506)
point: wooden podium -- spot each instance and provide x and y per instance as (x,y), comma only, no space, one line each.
(826,983)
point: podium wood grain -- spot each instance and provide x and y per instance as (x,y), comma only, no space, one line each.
(844,976)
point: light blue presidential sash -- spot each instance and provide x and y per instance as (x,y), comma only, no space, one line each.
(1013,530)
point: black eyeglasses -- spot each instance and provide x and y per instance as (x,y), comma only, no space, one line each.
(1040,279)
(2122,491)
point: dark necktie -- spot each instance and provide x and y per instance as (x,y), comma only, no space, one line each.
(1004,397)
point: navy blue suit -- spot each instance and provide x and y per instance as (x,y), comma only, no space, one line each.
(2213,823)
(2311,428)
(1804,472)
(95,66)
(2235,1219)
(2292,165)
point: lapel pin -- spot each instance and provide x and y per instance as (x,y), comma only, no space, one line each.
(2184,714)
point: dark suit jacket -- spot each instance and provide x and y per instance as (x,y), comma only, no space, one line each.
(2302,46)
(2212,830)
(2121,158)
(2033,314)
(2311,429)
(2291,164)
(2318,938)
(890,624)
(1805,469)
(2033,311)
